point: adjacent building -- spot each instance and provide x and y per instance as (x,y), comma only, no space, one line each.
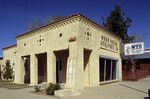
(74,51)
(141,65)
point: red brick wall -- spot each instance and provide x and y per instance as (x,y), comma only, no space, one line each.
(145,67)
(143,72)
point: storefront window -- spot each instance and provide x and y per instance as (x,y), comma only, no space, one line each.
(102,65)
(114,68)
(108,68)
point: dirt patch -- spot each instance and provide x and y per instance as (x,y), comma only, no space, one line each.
(13,86)
(41,92)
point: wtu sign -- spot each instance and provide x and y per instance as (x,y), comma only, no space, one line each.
(134,48)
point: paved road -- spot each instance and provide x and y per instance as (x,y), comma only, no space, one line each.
(120,90)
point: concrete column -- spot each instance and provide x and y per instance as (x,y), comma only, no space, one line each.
(75,67)
(19,71)
(33,70)
(79,74)
(94,69)
(71,64)
(120,62)
(50,67)
(120,69)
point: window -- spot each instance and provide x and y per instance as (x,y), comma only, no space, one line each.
(108,69)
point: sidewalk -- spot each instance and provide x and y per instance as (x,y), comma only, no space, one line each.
(120,90)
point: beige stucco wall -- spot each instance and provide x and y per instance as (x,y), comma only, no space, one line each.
(50,41)
(90,38)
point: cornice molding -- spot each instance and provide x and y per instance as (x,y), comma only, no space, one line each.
(49,27)
(96,26)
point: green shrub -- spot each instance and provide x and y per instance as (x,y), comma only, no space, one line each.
(8,70)
(37,88)
(51,88)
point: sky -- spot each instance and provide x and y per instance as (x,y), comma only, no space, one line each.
(15,15)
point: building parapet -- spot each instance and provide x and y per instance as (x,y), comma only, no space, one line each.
(76,17)
(14,45)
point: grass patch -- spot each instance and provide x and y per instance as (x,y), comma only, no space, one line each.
(10,85)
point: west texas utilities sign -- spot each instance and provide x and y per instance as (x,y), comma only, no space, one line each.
(134,48)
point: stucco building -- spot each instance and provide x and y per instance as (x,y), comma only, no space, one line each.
(74,51)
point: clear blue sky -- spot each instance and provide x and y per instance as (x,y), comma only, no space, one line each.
(15,15)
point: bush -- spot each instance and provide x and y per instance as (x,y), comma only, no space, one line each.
(8,70)
(51,88)
(37,88)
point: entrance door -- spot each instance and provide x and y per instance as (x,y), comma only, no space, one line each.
(26,60)
(59,71)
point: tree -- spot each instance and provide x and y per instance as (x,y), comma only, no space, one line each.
(116,23)
(8,70)
(137,38)
(50,19)
(36,23)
